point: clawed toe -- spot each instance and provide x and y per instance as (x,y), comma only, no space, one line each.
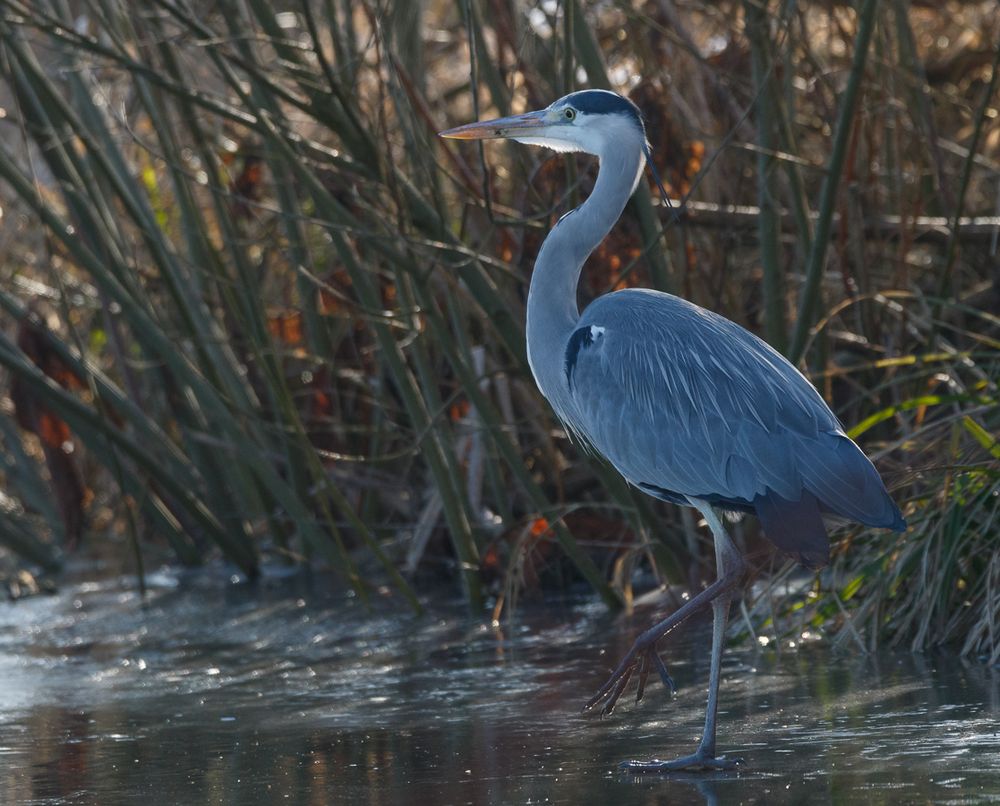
(639,662)
(697,762)
(668,681)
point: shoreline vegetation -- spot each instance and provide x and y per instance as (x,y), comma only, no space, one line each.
(253,309)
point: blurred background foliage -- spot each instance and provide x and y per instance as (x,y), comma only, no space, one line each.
(253,307)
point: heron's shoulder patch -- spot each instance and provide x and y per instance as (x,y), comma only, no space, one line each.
(581,339)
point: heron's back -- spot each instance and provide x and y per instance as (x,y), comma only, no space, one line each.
(686,403)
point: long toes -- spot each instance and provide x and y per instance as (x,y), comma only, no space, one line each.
(594,700)
(643,674)
(613,686)
(731,763)
(721,763)
(693,763)
(661,668)
(609,706)
(602,692)
(633,663)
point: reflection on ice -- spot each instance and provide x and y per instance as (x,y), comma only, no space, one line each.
(253,694)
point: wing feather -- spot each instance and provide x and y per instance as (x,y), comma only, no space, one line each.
(686,401)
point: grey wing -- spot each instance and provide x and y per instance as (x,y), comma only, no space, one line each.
(687,402)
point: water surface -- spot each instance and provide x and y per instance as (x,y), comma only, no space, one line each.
(218,691)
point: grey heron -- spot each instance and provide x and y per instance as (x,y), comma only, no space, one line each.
(689,407)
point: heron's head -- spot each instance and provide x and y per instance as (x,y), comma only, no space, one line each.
(591,121)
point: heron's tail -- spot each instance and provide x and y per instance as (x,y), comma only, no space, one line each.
(838,479)
(795,527)
(846,483)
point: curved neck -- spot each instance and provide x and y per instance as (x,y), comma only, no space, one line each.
(552,308)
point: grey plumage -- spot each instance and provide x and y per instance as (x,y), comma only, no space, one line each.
(687,405)
(681,399)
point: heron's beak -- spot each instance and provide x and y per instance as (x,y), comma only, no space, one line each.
(515,126)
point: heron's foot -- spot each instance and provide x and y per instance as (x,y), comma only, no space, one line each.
(639,661)
(696,762)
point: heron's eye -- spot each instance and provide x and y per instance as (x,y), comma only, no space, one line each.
(570,113)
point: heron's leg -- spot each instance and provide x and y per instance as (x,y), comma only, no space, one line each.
(730,567)
(644,648)
(720,616)
(730,564)
(726,556)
